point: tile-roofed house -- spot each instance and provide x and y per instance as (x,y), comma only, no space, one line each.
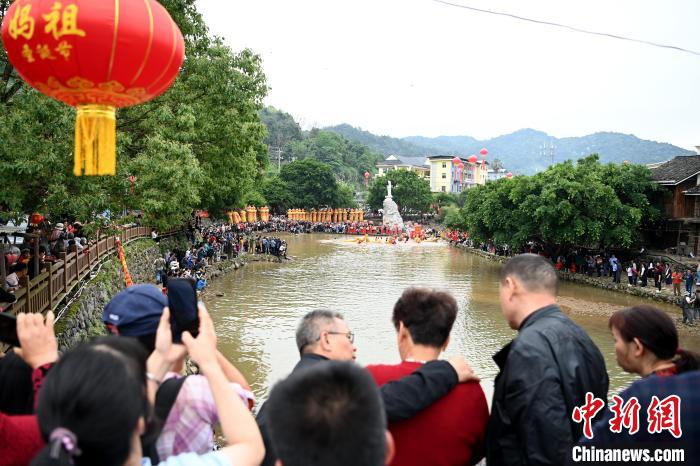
(400,162)
(680,177)
(676,170)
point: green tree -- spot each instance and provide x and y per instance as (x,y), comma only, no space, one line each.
(311,184)
(409,191)
(348,160)
(281,127)
(441,199)
(346,195)
(586,204)
(277,194)
(165,191)
(10,82)
(199,145)
(453,217)
(255,198)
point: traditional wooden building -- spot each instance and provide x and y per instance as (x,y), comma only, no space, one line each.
(680,177)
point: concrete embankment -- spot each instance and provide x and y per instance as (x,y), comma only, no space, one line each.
(648,292)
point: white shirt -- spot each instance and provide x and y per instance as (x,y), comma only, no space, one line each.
(12,280)
(214,458)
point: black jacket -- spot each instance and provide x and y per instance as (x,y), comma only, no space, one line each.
(545,372)
(403,398)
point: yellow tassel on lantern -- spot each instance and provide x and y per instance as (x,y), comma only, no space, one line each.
(95,141)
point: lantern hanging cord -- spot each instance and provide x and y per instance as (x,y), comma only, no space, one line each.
(571,28)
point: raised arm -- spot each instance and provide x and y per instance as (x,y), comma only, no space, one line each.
(244,443)
(406,397)
(231,372)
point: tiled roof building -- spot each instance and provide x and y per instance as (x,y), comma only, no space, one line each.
(680,177)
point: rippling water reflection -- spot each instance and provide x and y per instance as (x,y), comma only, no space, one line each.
(263,302)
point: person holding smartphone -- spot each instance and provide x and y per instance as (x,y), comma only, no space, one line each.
(93,408)
(185,405)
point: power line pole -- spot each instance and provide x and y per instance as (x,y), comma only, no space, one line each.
(279,156)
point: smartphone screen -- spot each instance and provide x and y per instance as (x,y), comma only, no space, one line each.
(8,330)
(182,301)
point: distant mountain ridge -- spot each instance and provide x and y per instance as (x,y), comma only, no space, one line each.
(521,151)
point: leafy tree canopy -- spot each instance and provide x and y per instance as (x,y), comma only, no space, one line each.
(409,191)
(583,204)
(199,145)
(281,127)
(348,160)
(312,184)
(277,194)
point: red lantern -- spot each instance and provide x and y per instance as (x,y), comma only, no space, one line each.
(483,152)
(509,175)
(472,159)
(36,219)
(456,160)
(366,175)
(95,56)
(460,165)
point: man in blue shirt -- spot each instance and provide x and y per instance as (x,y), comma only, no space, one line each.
(614,269)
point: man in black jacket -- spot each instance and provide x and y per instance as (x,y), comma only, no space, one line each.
(544,372)
(324,336)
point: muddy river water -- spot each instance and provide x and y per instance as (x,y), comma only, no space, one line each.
(256,309)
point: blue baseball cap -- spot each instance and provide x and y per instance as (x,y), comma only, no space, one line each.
(135,311)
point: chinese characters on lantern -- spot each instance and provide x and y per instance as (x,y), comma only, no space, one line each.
(63,21)
(662,415)
(60,21)
(22,24)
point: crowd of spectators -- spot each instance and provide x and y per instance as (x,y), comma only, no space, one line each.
(50,241)
(123,400)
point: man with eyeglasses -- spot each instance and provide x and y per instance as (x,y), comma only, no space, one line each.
(324,335)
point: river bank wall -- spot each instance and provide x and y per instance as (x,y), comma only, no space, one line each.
(605,283)
(81,318)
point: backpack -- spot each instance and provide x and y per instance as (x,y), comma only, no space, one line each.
(165,399)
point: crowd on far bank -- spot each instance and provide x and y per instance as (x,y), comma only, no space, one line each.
(642,272)
(123,400)
(210,244)
(287,225)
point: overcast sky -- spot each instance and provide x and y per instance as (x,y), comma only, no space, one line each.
(417,67)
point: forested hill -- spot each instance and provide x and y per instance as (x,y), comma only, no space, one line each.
(385,145)
(521,151)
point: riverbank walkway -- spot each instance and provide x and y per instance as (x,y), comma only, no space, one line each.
(649,292)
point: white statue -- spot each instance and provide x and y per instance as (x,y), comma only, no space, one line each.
(390,215)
